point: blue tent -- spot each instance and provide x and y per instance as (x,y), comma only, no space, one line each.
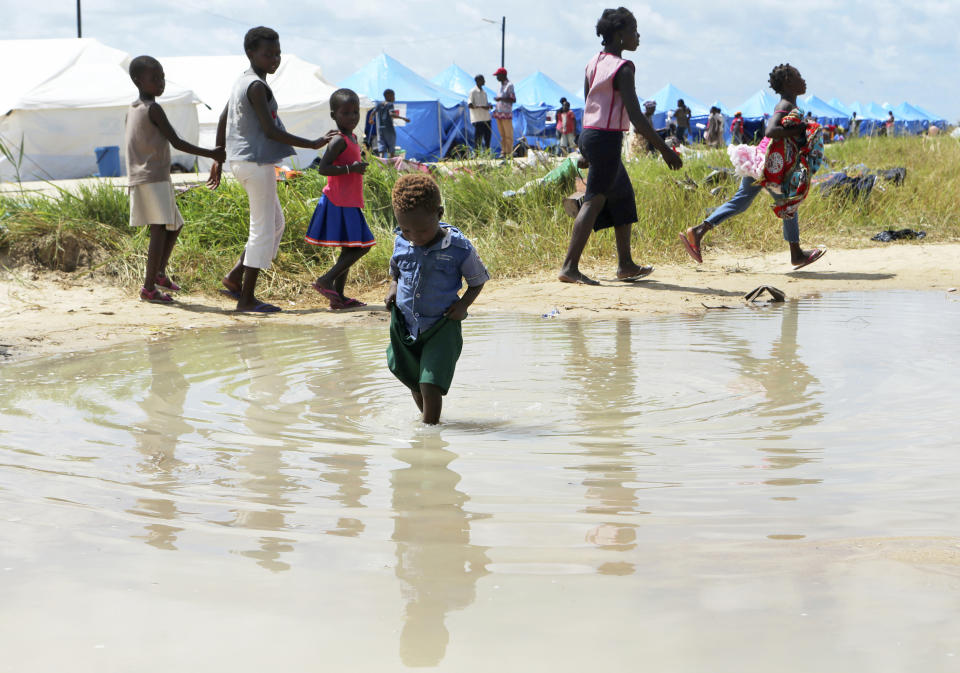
(822,111)
(538,94)
(459,81)
(724,110)
(937,120)
(837,105)
(666,99)
(759,105)
(914,120)
(755,111)
(438,116)
(538,90)
(874,111)
(867,124)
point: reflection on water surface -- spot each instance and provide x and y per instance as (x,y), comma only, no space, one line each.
(629,484)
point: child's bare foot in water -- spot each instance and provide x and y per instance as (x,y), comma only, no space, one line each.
(574,276)
(801,258)
(634,272)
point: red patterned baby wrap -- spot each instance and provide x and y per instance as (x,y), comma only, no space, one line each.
(790,164)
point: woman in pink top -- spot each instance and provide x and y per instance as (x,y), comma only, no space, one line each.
(338,220)
(611,105)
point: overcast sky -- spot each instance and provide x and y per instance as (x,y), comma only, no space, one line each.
(881,50)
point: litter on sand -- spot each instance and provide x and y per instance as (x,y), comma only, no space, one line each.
(898,235)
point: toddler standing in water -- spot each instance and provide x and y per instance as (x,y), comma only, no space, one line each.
(256,141)
(338,218)
(148,137)
(780,162)
(611,105)
(429,260)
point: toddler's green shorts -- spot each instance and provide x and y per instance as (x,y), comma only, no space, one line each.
(429,358)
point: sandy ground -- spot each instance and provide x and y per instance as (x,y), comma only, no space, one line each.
(44,313)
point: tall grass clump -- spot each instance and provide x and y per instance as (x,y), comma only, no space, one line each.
(516,236)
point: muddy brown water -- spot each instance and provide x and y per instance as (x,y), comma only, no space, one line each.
(767,489)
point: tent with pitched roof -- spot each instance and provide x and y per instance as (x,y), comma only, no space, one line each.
(301,90)
(459,81)
(936,120)
(913,119)
(666,99)
(822,111)
(538,96)
(72,98)
(755,110)
(438,116)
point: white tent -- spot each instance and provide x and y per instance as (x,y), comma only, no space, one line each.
(301,91)
(69,97)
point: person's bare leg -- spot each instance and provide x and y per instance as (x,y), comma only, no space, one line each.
(233,281)
(336,278)
(348,257)
(582,228)
(171,240)
(626,267)
(418,398)
(432,403)
(247,298)
(154,255)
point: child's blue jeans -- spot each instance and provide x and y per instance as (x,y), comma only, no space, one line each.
(741,201)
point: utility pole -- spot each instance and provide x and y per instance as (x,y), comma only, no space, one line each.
(503,41)
(79,28)
(503,38)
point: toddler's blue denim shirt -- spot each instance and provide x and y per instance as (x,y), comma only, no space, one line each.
(429,279)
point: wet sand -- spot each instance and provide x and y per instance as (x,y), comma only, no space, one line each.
(46,313)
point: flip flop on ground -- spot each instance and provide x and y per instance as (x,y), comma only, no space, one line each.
(814,255)
(689,244)
(636,274)
(578,279)
(166,283)
(154,296)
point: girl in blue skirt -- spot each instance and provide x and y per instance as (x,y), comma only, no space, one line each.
(338,220)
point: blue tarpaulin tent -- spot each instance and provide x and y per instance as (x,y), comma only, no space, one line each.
(867,124)
(438,116)
(934,119)
(914,120)
(755,111)
(822,111)
(759,105)
(538,94)
(459,81)
(837,105)
(666,99)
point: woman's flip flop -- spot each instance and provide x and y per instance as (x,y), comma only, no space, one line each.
(811,258)
(641,272)
(692,248)
(262,307)
(349,302)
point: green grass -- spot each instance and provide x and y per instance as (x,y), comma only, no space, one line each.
(515,236)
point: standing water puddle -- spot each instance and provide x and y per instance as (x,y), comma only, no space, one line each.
(774,489)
